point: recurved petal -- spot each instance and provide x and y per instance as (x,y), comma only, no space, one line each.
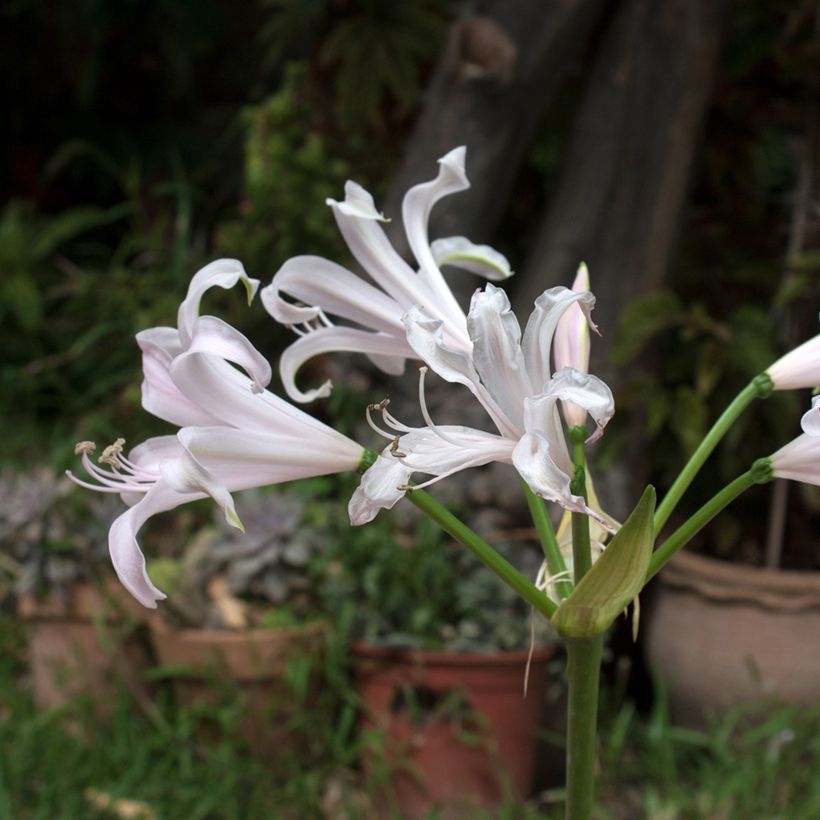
(222,273)
(482,260)
(533,458)
(330,340)
(416,207)
(811,418)
(358,222)
(380,488)
(126,556)
(160,396)
(426,337)
(538,334)
(323,286)
(496,337)
(211,336)
(586,391)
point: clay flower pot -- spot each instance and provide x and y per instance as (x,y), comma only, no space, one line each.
(85,645)
(458,733)
(720,634)
(254,661)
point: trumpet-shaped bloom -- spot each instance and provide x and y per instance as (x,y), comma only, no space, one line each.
(799,460)
(318,288)
(510,376)
(234,434)
(799,368)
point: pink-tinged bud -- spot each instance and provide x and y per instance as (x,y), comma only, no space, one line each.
(571,345)
(799,368)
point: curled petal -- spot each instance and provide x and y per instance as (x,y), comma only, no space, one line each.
(222,273)
(811,418)
(537,341)
(372,249)
(426,337)
(214,337)
(496,337)
(533,458)
(330,339)
(126,556)
(482,260)
(160,396)
(416,207)
(380,488)
(324,286)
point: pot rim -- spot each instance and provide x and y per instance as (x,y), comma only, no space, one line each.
(237,636)
(725,580)
(439,657)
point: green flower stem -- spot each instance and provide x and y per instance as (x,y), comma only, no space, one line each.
(758,388)
(549,543)
(482,550)
(581,550)
(583,678)
(699,520)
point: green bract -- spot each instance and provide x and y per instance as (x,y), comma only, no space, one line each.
(615,578)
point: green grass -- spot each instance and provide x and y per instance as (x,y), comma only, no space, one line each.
(754,763)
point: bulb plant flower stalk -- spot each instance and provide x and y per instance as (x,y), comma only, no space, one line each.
(207,379)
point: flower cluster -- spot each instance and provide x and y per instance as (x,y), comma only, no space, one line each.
(206,378)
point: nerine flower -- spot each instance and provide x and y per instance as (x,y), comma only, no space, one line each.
(799,460)
(799,368)
(510,376)
(234,434)
(318,288)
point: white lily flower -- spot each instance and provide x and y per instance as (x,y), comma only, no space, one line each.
(799,368)
(321,288)
(799,460)
(235,434)
(572,345)
(510,377)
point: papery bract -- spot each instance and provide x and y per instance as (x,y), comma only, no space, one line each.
(321,288)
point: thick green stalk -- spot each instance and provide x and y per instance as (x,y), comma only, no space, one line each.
(581,550)
(583,678)
(758,388)
(700,519)
(482,550)
(549,543)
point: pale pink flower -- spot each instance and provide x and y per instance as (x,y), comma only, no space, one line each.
(799,368)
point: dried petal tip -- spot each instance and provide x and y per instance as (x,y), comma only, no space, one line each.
(84,447)
(110,455)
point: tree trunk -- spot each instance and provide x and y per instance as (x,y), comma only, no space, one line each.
(489,92)
(621,194)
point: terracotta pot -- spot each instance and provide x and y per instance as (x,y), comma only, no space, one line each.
(84,645)
(720,634)
(458,732)
(254,662)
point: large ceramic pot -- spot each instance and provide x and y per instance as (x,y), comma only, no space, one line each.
(457,732)
(720,634)
(254,663)
(87,643)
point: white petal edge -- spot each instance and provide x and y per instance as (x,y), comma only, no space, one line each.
(482,260)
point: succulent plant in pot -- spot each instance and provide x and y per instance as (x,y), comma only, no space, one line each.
(83,637)
(243,609)
(443,655)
